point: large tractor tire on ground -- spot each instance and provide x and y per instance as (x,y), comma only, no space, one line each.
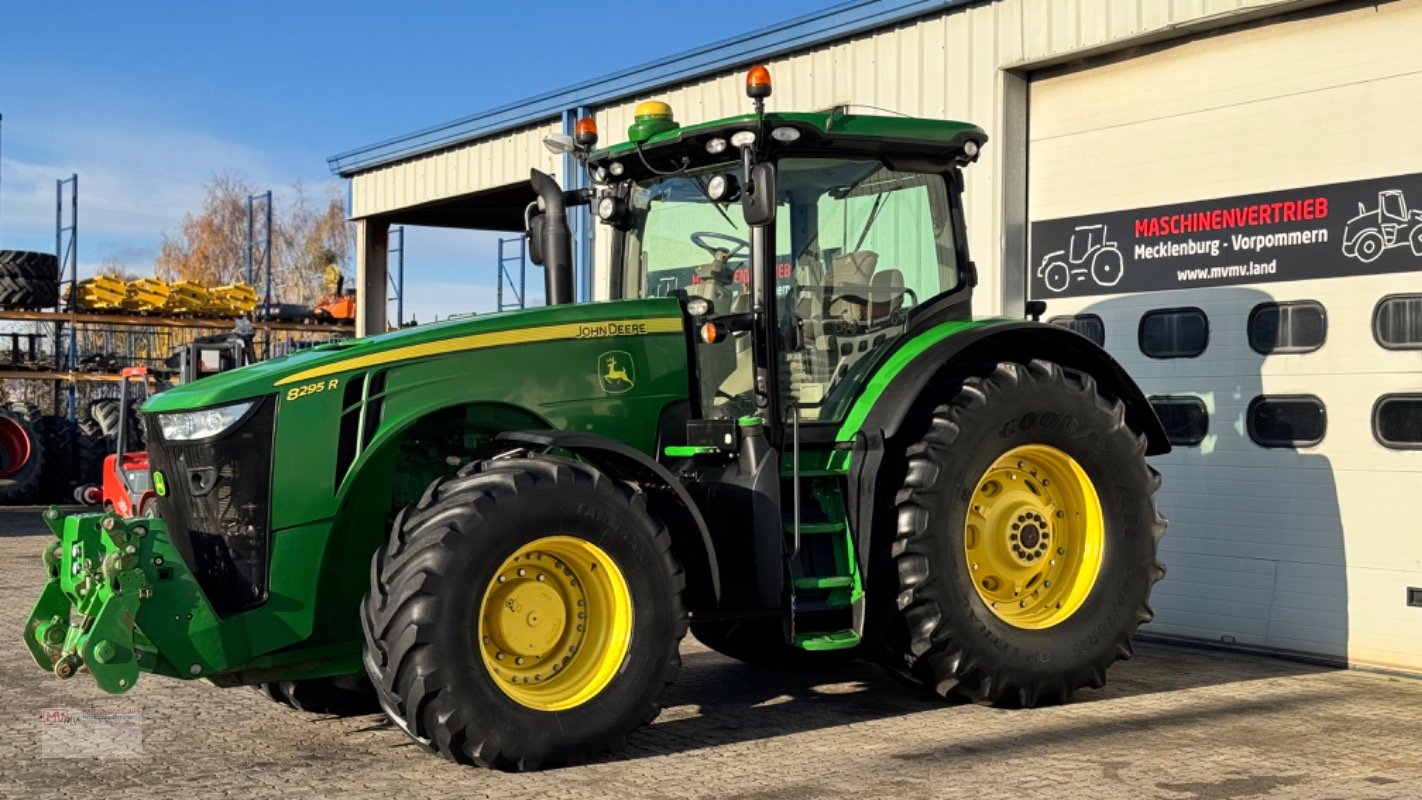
(21,459)
(760,641)
(1026,542)
(90,448)
(58,476)
(524,614)
(346,696)
(28,280)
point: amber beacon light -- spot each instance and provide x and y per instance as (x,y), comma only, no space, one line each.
(758,82)
(585,131)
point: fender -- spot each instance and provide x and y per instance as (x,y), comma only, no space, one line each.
(679,511)
(957,347)
(893,389)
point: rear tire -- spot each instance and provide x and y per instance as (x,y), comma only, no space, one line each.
(435,615)
(967,631)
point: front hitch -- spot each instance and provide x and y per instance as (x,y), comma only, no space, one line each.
(120,600)
(86,614)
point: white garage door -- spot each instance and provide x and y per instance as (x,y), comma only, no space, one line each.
(1247,207)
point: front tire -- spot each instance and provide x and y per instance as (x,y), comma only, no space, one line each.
(1026,544)
(525,613)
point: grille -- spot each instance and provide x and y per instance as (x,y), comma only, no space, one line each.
(217,507)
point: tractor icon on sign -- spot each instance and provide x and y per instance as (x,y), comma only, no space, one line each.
(1391,224)
(1089,255)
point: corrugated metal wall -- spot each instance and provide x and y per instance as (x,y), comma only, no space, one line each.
(949,65)
(475,167)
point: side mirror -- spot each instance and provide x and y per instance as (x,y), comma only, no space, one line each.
(535,238)
(759,202)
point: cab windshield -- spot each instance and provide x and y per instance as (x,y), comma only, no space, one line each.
(857,245)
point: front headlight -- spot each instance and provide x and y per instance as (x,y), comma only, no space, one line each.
(184,426)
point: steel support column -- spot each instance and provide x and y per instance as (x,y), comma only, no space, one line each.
(372,275)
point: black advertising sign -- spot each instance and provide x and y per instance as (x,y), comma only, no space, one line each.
(1357,228)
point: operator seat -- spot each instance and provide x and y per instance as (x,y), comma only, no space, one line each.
(841,321)
(713,280)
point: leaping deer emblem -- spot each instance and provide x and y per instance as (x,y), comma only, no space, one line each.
(614,372)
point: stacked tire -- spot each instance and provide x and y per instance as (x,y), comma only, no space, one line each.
(21,456)
(28,280)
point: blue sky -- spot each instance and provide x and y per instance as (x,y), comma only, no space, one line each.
(147,100)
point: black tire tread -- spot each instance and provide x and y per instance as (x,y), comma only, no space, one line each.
(425,539)
(58,476)
(946,665)
(28,279)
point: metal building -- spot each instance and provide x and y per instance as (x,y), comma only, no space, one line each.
(1226,193)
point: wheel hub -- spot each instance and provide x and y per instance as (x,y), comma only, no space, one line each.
(555,623)
(1034,536)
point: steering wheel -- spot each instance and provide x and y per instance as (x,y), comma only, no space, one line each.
(700,238)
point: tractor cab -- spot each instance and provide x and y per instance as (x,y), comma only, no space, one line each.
(802,248)
(801,245)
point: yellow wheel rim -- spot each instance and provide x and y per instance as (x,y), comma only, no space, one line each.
(555,623)
(1034,536)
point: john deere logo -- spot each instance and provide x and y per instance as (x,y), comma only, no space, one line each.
(615,371)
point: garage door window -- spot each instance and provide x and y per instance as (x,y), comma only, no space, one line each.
(1174,333)
(1397,421)
(1286,420)
(1297,327)
(1397,322)
(1185,418)
(1088,325)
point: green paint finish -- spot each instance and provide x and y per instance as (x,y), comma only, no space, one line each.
(145,607)
(160,484)
(644,128)
(867,128)
(826,582)
(540,368)
(262,377)
(819,642)
(687,451)
(897,363)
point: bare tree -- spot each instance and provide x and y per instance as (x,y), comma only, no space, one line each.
(210,245)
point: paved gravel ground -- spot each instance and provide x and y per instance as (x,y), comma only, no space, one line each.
(1173,723)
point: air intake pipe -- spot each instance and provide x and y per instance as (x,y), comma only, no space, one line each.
(550,229)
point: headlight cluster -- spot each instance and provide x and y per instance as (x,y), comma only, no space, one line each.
(184,426)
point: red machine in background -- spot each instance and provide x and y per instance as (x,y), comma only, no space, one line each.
(127,486)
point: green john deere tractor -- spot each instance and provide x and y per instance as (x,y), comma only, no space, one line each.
(785,432)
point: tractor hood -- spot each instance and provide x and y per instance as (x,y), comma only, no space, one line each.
(424,341)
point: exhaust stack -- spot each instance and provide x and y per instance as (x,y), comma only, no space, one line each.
(550,226)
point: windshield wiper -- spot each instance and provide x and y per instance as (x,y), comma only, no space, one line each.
(706,193)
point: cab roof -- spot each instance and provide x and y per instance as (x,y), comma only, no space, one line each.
(831,132)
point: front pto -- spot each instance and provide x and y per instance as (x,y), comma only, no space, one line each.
(120,600)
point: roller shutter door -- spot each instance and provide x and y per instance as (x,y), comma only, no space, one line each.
(1240,206)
